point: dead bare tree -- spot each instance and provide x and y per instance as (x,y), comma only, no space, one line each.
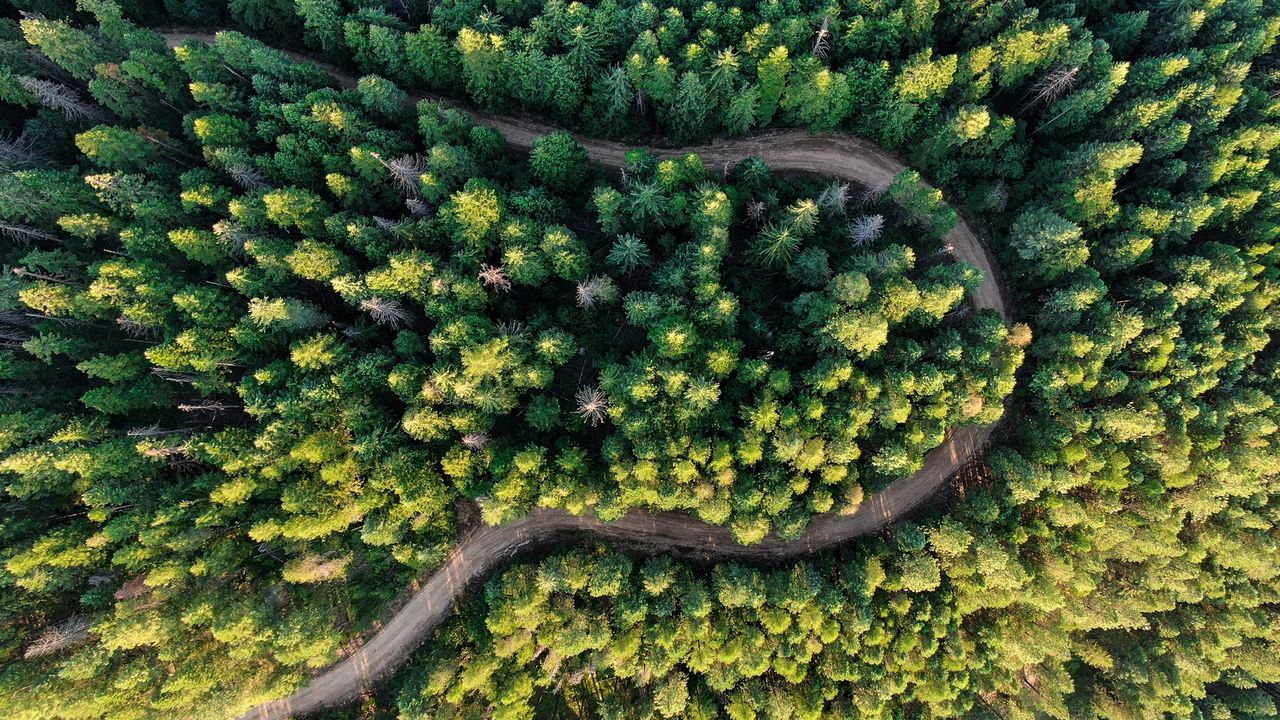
(1051,86)
(407,172)
(213,407)
(19,151)
(416,206)
(25,234)
(593,405)
(16,317)
(153,431)
(599,288)
(61,98)
(866,229)
(513,329)
(246,176)
(873,194)
(998,196)
(63,320)
(386,312)
(945,251)
(834,198)
(495,277)
(822,43)
(165,452)
(182,378)
(162,138)
(13,338)
(233,235)
(23,272)
(69,633)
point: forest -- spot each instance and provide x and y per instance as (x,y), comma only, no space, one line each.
(285,319)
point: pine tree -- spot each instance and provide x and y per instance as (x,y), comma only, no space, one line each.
(772,72)
(323,22)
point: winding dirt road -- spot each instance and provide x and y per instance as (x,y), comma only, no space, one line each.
(839,156)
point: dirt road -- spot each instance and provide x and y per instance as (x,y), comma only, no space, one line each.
(837,156)
(488,547)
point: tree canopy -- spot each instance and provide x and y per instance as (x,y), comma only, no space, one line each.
(267,342)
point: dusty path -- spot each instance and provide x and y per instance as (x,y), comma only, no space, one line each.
(839,156)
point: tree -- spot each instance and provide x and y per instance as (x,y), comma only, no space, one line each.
(263,15)
(772,72)
(287,313)
(387,45)
(672,697)
(742,113)
(817,98)
(220,391)
(923,79)
(323,22)
(116,148)
(692,107)
(69,48)
(559,162)
(430,58)
(483,60)
(1022,51)
(614,99)
(628,253)
(475,211)
(295,208)
(1053,243)
(381,96)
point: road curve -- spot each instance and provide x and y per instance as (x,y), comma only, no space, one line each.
(833,155)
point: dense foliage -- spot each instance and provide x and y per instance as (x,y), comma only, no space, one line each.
(597,634)
(1122,564)
(288,333)
(260,334)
